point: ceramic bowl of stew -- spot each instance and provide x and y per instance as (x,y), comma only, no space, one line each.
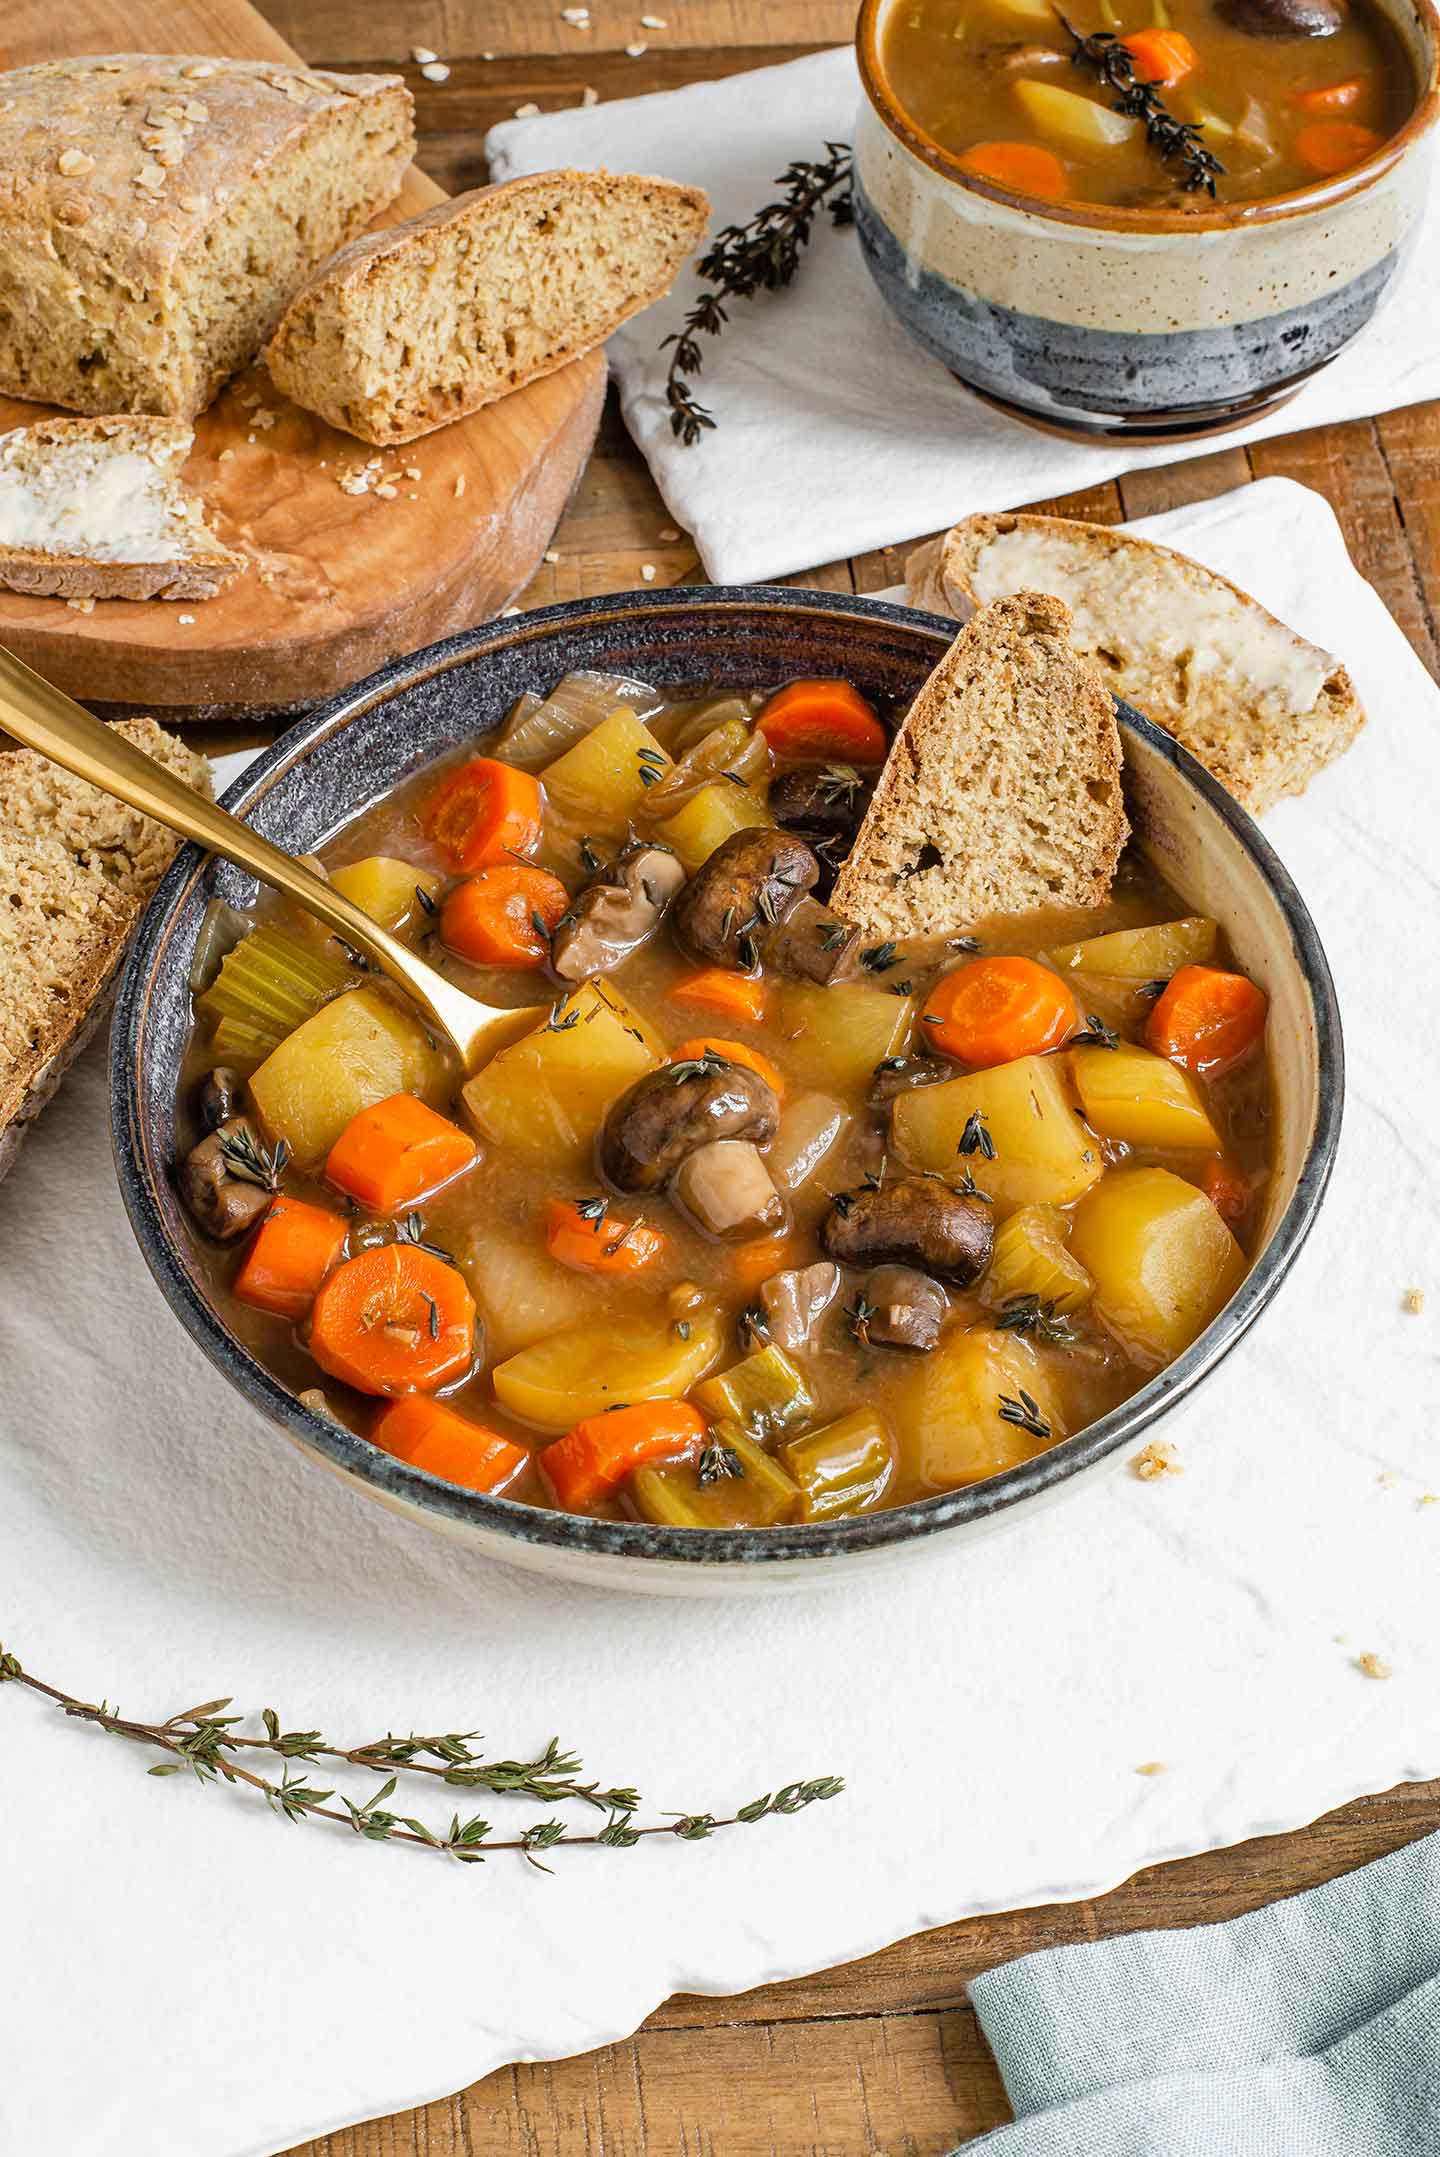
(1029,235)
(361,781)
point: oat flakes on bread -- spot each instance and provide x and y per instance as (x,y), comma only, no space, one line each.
(158,212)
(1002,788)
(1263,709)
(413,327)
(75,869)
(97,509)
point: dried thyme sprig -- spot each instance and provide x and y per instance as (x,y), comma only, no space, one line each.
(205,1740)
(1174,141)
(761,256)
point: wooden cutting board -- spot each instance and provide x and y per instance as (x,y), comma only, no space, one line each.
(341,577)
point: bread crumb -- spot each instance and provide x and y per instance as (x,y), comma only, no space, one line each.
(250,438)
(81,606)
(1386,1479)
(265,418)
(552,554)
(386,491)
(459,484)
(668,534)
(73,162)
(1413,1301)
(1428,1497)
(527,112)
(197,71)
(422,55)
(1151,1767)
(589,97)
(435,71)
(635,52)
(225,455)
(185,620)
(412,471)
(1156,1459)
(577,17)
(1373,1666)
(507,612)
(653,22)
(647,571)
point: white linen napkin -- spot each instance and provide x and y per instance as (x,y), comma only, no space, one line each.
(170,1954)
(836,432)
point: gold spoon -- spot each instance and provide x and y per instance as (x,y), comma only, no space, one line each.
(44,718)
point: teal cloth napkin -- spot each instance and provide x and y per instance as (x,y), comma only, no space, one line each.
(1308,2029)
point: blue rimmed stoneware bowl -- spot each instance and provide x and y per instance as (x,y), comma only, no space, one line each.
(1146,323)
(357,747)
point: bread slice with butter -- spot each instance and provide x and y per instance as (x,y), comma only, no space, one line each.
(1002,788)
(97,509)
(1259,706)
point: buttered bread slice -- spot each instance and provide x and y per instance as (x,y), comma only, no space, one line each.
(1262,709)
(411,328)
(1001,791)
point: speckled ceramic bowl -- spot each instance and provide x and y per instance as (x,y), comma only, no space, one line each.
(1151,323)
(356,748)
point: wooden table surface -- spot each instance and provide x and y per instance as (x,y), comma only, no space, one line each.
(883,2056)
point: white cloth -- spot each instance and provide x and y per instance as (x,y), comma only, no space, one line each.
(170,1954)
(837,433)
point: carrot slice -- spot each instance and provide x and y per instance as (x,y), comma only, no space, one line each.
(752,1263)
(394,1320)
(505,916)
(432,1436)
(596,1242)
(734,1052)
(1331,96)
(716,988)
(289,1256)
(594,1458)
(1162,57)
(396,1151)
(990,1011)
(1025,168)
(815,719)
(1332,146)
(1227,1189)
(485,812)
(1207,1020)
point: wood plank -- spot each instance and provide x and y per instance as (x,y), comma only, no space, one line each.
(1145,493)
(466,29)
(1410,444)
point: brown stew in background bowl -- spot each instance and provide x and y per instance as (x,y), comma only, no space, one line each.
(754,1222)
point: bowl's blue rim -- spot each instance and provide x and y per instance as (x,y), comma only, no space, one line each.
(520,1523)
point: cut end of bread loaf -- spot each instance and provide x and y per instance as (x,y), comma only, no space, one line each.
(75,868)
(1262,708)
(96,509)
(411,328)
(1002,790)
(158,212)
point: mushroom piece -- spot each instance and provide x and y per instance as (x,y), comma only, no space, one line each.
(615,913)
(904,1308)
(902,1074)
(727,1187)
(219,1097)
(795,1301)
(1283,18)
(820,797)
(745,887)
(811,945)
(915,1221)
(673,1110)
(224,1204)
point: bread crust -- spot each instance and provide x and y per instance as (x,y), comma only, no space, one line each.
(1259,746)
(316,317)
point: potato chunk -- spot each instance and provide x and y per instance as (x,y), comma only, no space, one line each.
(708,818)
(835,1036)
(1131,1093)
(1073,122)
(959,1434)
(587,1369)
(1162,1260)
(1030,1259)
(545,1096)
(604,777)
(352,1053)
(389,891)
(1153,953)
(1043,1153)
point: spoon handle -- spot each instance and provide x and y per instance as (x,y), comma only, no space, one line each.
(45,718)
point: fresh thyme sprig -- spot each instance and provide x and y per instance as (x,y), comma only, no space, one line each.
(760,256)
(207,1742)
(1174,141)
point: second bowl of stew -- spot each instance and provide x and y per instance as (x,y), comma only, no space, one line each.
(757,1251)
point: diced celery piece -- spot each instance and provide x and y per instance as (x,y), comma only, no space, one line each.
(761,1496)
(841,1468)
(266,987)
(766,1393)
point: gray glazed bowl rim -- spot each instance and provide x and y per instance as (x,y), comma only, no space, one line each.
(154,957)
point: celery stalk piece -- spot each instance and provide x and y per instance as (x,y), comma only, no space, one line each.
(266,987)
(842,1468)
(766,1394)
(762,1495)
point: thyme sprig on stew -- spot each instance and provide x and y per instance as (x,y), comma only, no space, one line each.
(248,1161)
(761,256)
(1029,1314)
(1097,1034)
(1175,142)
(208,1742)
(719,1461)
(975,1138)
(1025,1413)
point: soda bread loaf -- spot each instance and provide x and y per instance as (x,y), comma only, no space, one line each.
(413,327)
(75,869)
(1261,708)
(1001,791)
(157,213)
(95,509)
